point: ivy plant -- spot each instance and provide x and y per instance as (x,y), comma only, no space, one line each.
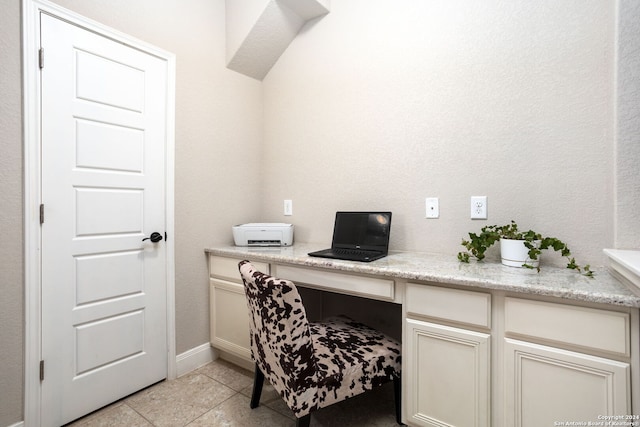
(477,245)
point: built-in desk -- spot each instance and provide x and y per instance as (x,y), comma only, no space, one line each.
(483,344)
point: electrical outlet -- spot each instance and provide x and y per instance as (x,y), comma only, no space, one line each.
(288,207)
(432,207)
(478,207)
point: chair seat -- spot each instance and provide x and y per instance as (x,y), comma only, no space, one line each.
(351,358)
(312,365)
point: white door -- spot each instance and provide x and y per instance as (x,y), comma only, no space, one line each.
(104,320)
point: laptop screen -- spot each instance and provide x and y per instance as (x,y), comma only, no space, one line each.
(362,230)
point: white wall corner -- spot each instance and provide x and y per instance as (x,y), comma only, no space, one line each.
(254,46)
(195,358)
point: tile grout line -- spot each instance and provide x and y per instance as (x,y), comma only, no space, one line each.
(213,407)
(143,417)
(236,392)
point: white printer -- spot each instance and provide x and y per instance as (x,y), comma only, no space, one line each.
(263,234)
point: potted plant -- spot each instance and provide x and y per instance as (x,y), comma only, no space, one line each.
(530,243)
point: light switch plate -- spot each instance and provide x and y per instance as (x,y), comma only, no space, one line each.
(288,207)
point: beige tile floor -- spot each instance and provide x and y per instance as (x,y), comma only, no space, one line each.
(218,393)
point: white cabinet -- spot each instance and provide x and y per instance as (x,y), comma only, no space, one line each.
(447,374)
(446,369)
(229,327)
(586,328)
(229,319)
(346,284)
(470,357)
(545,384)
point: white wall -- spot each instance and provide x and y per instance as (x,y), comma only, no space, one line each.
(11,248)
(628,127)
(380,104)
(241,16)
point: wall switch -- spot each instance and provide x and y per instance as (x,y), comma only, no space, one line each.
(433,207)
(288,207)
(478,207)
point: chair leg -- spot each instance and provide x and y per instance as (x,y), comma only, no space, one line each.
(397,392)
(258,380)
(304,421)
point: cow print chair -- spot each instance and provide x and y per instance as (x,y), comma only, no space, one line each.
(312,365)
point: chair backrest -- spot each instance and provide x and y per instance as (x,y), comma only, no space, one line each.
(280,337)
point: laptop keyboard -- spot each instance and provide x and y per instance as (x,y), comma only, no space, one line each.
(353,252)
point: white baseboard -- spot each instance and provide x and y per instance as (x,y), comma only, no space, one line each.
(195,358)
(185,363)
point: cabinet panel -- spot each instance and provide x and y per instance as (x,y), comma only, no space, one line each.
(586,327)
(473,308)
(227,268)
(544,385)
(370,287)
(446,375)
(229,318)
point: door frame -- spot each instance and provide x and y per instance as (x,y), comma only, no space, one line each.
(31,113)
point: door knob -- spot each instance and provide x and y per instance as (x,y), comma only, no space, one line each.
(154,237)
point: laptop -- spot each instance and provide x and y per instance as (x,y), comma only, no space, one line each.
(359,236)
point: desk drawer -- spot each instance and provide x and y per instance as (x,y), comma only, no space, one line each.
(370,287)
(227,268)
(585,327)
(472,308)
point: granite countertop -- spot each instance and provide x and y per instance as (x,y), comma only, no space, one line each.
(551,281)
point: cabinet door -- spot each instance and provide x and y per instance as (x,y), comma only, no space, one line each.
(229,318)
(446,375)
(546,385)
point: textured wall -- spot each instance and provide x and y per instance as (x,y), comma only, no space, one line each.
(254,43)
(241,16)
(380,104)
(264,43)
(218,135)
(628,115)
(11,249)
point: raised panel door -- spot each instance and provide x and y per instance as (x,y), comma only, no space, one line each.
(229,318)
(447,375)
(546,385)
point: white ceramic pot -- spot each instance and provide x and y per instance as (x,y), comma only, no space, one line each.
(514,253)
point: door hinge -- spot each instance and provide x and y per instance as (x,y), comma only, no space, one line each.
(41,58)
(41,214)
(42,370)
